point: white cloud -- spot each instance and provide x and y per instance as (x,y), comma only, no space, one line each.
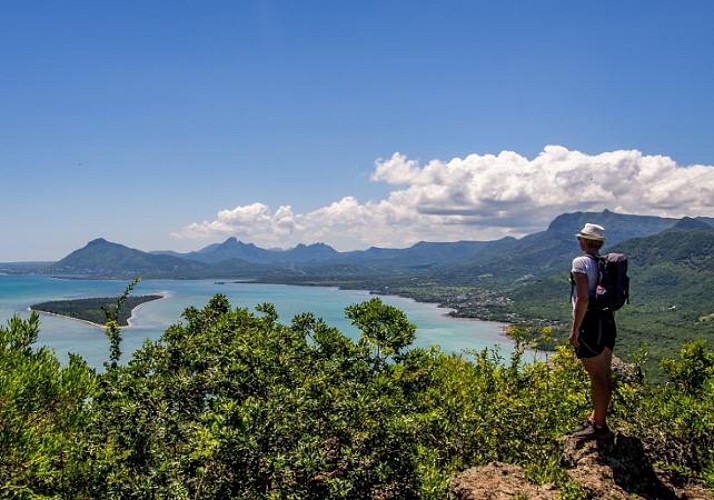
(478,197)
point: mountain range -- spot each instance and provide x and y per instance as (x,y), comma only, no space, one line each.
(504,259)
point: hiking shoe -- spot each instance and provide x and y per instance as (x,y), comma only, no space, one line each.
(585,425)
(590,430)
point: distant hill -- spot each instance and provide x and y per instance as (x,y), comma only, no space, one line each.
(426,252)
(104,258)
(687,223)
(307,253)
(618,227)
(689,245)
(539,254)
(706,220)
(232,249)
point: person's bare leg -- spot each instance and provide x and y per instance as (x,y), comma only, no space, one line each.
(598,369)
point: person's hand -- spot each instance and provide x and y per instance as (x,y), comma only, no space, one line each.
(574,339)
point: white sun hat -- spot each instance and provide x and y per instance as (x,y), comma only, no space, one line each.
(592,232)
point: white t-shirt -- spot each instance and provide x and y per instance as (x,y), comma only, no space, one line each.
(589,266)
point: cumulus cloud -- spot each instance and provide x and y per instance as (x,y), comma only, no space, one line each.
(478,197)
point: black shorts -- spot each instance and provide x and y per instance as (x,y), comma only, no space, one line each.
(597,331)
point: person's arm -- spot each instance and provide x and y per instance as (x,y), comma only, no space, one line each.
(580,306)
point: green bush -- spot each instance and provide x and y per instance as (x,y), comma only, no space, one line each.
(233,404)
(675,420)
(43,411)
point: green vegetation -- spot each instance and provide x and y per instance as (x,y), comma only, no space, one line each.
(94,310)
(44,411)
(235,404)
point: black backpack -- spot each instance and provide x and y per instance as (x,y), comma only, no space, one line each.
(613,283)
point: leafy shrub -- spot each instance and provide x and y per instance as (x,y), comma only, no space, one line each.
(42,413)
(675,420)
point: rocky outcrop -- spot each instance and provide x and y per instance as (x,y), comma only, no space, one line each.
(617,469)
(614,469)
(498,481)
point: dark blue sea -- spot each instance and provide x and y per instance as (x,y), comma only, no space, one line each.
(66,335)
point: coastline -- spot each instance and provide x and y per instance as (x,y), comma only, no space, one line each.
(64,316)
(129,323)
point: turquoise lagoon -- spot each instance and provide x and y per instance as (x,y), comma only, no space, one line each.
(66,335)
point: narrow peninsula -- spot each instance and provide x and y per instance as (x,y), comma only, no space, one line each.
(93,310)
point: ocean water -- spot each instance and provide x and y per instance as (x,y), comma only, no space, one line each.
(66,335)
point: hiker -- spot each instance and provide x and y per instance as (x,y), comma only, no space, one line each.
(593,332)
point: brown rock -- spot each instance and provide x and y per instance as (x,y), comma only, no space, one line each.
(620,469)
(497,481)
(615,469)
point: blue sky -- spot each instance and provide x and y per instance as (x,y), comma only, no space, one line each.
(172,125)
